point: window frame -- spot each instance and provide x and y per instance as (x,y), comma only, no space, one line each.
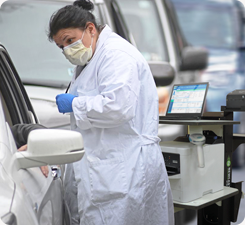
(13,91)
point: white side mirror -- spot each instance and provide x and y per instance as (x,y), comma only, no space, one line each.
(51,147)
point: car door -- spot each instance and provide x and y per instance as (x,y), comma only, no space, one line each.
(41,196)
(14,209)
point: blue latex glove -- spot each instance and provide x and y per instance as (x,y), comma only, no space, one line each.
(64,102)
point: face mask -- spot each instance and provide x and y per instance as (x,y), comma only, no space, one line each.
(77,53)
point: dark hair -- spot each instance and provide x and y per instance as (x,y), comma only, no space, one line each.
(72,16)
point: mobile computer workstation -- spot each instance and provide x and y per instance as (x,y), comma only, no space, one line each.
(199,164)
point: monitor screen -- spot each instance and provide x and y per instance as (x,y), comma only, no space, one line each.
(187,98)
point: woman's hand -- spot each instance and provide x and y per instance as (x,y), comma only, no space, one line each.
(44,169)
(64,102)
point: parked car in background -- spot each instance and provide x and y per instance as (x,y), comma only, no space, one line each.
(218,26)
(45,72)
(153,28)
(26,195)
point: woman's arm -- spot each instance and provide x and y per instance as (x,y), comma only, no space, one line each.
(116,102)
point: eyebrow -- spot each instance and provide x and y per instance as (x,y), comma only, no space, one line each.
(65,37)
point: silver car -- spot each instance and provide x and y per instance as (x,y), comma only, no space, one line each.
(26,195)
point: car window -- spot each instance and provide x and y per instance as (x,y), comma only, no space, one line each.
(213,26)
(178,36)
(119,22)
(143,21)
(14,97)
(25,28)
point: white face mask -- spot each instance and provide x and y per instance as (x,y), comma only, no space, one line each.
(77,53)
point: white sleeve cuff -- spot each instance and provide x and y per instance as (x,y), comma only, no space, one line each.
(80,113)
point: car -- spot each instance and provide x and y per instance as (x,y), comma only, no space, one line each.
(153,28)
(26,196)
(219,27)
(49,73)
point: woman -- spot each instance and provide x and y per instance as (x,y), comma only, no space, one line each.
(113,102)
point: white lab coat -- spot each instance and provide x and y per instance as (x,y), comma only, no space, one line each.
(122,179)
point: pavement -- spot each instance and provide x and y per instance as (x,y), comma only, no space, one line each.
(188,217)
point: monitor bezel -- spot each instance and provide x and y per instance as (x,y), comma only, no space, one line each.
(188,114)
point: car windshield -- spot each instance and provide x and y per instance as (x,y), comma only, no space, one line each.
(142,19)
(24,28)
(207,26)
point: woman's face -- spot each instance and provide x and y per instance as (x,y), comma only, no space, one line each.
(67,36)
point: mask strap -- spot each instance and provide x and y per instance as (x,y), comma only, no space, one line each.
(83,35)
(92,40)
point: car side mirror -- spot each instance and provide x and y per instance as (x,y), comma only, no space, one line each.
(194,58)
(51,147)
(163,73)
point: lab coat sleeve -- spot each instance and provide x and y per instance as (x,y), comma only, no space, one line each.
(118,82)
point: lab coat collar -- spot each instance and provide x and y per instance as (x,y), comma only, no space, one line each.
(105,33)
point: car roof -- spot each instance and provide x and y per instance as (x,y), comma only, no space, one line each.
(206,2)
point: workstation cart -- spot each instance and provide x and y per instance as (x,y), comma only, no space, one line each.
(220,207)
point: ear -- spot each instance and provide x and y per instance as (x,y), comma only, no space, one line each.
(91,28)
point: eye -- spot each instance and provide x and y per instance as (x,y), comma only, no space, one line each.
(69,41)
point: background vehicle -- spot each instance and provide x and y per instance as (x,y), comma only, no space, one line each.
(26,196)
(49,73)
(154,30)
(218,26)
